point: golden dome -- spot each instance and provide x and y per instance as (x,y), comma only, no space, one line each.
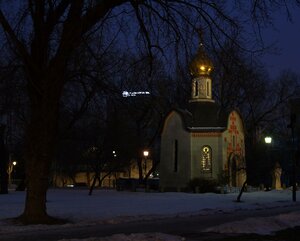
(200,64)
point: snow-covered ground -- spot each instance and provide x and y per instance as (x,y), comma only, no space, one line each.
(109,206)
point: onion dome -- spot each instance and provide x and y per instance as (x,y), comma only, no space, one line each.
(201,63)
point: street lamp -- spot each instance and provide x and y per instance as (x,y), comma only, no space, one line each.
(268,139)
(10,170)
(146,154)
(292,125)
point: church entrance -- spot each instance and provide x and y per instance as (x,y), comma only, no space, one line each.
(236,170)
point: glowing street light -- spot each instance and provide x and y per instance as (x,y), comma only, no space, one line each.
(146,153)
(268,140)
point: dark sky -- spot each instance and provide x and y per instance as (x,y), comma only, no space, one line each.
(286,36)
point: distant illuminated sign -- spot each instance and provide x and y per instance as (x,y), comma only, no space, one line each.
(135,93)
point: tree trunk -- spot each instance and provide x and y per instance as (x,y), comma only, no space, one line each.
(4,163)
(94,183)
(140,167)
(241,192)
(3,179)
(39,149)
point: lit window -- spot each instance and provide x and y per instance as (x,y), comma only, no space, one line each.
(207,89)
(196,88)
(206,159)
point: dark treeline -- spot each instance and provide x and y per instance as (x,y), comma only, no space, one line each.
(94,113)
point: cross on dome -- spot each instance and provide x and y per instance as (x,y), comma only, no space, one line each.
(201,63)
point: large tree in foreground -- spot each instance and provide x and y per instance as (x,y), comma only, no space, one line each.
(52,31)
(55,30)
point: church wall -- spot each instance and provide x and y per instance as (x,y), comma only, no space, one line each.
(234,149)
(174,175)
(199,141)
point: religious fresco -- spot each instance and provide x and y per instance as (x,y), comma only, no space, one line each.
(235,138)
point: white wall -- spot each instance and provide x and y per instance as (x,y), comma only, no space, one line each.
(173,129)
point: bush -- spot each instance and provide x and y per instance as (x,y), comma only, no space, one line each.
(202,185)
(223,178)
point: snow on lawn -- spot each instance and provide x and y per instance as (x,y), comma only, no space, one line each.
(76,205)
(264,226)
(110,206)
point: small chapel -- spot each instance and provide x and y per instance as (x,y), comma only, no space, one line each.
(202,141)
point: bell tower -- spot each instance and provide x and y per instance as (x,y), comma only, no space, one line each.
(200,68)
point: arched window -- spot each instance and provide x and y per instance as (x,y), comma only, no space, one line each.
(196,88)
(206,159)
(207,89)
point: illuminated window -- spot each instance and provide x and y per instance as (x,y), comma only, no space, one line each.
(197,88)
(206,159)
(207,89)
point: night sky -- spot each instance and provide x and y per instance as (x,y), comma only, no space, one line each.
(286,36)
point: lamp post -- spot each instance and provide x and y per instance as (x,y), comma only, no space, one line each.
(10,170)
(292,126)
(268,141)
(146,154)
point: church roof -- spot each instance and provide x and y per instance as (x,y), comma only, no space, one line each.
(204,117)
(202,114)
(201,63)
